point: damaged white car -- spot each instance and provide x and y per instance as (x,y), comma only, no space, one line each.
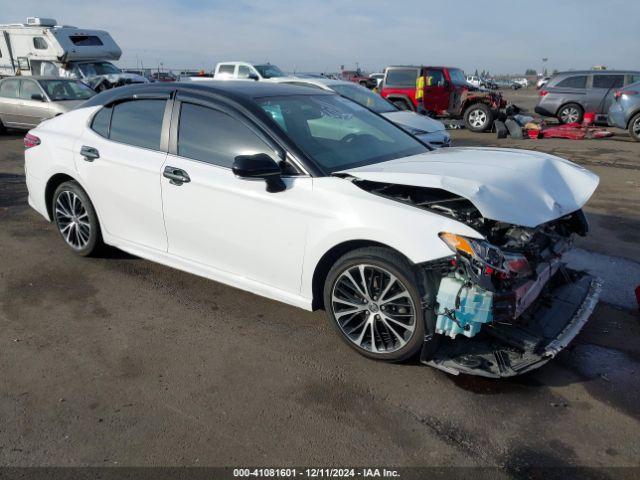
(311,199)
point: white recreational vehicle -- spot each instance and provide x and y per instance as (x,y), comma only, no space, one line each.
(42,47)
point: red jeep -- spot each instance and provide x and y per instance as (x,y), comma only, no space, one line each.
(445,93)
(356,76)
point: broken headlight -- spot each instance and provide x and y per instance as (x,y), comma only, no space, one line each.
(487,254)
(473,248)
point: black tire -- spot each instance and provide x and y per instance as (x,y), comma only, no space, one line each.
(74,232)
(570,112)
(401,104)
(406,278)
(478,117)
(3,129)
(634,127)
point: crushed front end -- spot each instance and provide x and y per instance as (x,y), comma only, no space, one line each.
(506,303)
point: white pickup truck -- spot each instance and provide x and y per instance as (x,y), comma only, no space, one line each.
(246,71)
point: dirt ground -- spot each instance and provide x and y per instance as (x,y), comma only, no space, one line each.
(119,361)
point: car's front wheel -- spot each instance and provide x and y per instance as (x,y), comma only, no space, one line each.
(76,219)
(634,128)
(371,296)
(478,117)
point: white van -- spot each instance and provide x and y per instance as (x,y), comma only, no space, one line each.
(41,47)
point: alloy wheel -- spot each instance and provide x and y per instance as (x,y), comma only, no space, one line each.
(72,220)
(373,308)
(477,118)
(570,115)
(636,127)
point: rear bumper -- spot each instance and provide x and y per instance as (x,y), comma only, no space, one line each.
(543,331)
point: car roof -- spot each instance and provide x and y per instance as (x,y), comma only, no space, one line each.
(238,90)
(595,72)
(39,77)
(320,81)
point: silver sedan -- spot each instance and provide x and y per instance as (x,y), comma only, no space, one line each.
(27,101)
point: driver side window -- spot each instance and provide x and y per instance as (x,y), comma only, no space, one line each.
(435,78)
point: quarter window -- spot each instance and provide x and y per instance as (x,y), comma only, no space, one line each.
(608,81)
(576,81)
(9,89)
(214,137)
(243,72)
(102,121)
(40,43)
(138,123)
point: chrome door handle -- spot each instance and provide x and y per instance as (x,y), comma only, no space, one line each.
(176,176)
(89,153)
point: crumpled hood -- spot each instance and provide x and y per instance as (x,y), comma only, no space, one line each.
(414,120)
(515,186)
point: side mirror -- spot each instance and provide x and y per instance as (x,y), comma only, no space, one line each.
(38,97)
(253,76)
(261,166)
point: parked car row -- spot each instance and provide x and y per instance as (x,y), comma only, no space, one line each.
(611,95)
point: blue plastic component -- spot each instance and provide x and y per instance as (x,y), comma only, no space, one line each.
(475,308)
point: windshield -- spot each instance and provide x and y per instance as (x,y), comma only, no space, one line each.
(457,76)
(97,68)
(269,71)
(364,97)
(58,90)
(338,133)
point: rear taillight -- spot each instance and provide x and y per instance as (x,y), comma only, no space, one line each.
(543,93)
(31,141)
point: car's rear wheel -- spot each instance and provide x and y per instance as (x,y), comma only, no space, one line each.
(570,113)
(401,104)
(3,129)
(76,219)
(371,296)
(478,117)
(634,128)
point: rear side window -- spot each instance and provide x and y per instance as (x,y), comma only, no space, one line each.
(608,81)
(226,69)
(214,137)
(9,89)
(401,77)
(86,40)
(576,81)
(635,78)
(102,121)
(138,123)
(40,43)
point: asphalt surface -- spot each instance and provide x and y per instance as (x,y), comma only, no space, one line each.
(119,361)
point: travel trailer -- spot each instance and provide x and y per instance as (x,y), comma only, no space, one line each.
(41,47)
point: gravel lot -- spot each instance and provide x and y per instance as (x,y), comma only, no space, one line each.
(119,361)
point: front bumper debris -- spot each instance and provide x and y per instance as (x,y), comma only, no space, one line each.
(505,349)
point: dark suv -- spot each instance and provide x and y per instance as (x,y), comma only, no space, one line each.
(569,94)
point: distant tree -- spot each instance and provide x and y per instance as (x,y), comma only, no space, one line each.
(476,74)
(530,71)
(555,71)
(544,74)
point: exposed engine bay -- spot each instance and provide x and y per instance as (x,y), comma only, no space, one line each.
(510,292)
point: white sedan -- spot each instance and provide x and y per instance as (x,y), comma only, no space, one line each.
(311,199)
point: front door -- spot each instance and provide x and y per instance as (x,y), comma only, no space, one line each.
(32,111)
(436,91)
(9,101)
(120,160)
(230,225)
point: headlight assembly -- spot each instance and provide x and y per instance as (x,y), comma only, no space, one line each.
(479,250)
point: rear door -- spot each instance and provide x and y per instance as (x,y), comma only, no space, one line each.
(31,112)
(603,90)
(119,159)
(9,101)
(436,91)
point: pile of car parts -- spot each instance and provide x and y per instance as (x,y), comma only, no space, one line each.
(517,126)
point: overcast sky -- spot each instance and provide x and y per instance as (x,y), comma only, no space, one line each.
(503,36)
